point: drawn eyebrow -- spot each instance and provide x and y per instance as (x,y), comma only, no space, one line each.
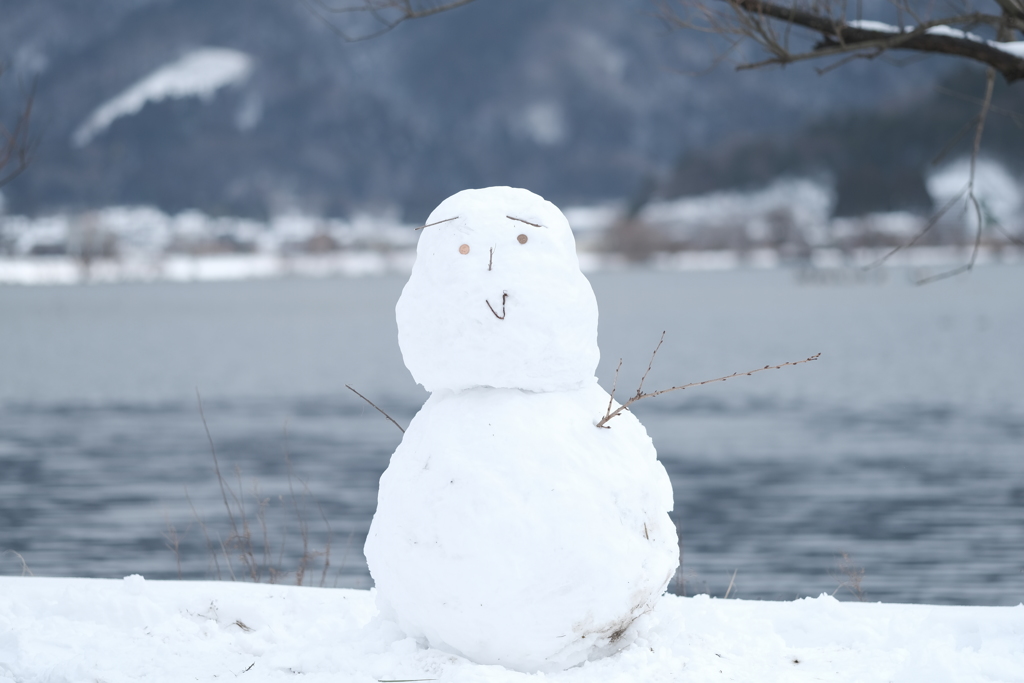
(522,221)
(437,222)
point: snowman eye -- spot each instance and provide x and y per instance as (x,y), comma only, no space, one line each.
(464,249)
(522,239)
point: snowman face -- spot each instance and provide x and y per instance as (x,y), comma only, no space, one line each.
(496,297)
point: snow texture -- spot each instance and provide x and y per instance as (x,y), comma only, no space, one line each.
(1014,48)
(199,73)
(998,192)
(871,25)
(137,630)
(508,313)
(510,529)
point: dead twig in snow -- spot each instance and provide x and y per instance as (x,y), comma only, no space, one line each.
(25,571)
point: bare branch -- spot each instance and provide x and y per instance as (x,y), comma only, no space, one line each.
(640,395)
(17,145)
(639,389)
(437,222)
(990,82)
(386,14)
(754,20)
(376,408)
(921,233)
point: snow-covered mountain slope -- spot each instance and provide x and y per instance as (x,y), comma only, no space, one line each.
(579,100)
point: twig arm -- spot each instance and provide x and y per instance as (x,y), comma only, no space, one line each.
(640,395)
(376,408)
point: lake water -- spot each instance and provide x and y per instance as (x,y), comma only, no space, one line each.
(902,447)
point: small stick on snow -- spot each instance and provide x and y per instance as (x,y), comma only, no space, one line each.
(437,222)
(375,406)
(641,395)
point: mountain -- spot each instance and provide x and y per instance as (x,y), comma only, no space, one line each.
(877,159)
(579,100)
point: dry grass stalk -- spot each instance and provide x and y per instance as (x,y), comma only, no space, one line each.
(732,583)
(25,571)
(257,556)
(849,577)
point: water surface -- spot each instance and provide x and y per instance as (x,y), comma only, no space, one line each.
(902,448)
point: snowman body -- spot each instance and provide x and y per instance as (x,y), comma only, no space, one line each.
(509,528)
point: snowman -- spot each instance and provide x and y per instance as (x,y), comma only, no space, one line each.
(510,529)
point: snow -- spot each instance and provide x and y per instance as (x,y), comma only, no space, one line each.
(997,191)
(870,25)
(1014,48)
(793,204)
(513,311)
(57,629)
(943,30)
(511,530)
(199,73)
(780,224)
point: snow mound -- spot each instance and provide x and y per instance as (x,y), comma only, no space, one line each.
(199,73)
(512,531)
(136,630)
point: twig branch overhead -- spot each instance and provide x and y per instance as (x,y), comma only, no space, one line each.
(843,36)
(383,15)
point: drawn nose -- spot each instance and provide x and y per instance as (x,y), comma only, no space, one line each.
(490,260)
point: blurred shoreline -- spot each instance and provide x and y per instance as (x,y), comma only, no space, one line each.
(822,265)
(789,223)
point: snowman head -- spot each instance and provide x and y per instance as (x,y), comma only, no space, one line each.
(496,297)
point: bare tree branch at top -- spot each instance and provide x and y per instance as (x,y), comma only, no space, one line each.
(769,24)
(379,15)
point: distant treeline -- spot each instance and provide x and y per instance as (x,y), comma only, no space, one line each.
(878,159)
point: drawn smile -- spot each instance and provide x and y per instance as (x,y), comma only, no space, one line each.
(504,296)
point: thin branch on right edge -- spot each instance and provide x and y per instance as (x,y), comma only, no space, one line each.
(990,82)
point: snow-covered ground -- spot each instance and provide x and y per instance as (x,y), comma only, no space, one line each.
(54,629)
